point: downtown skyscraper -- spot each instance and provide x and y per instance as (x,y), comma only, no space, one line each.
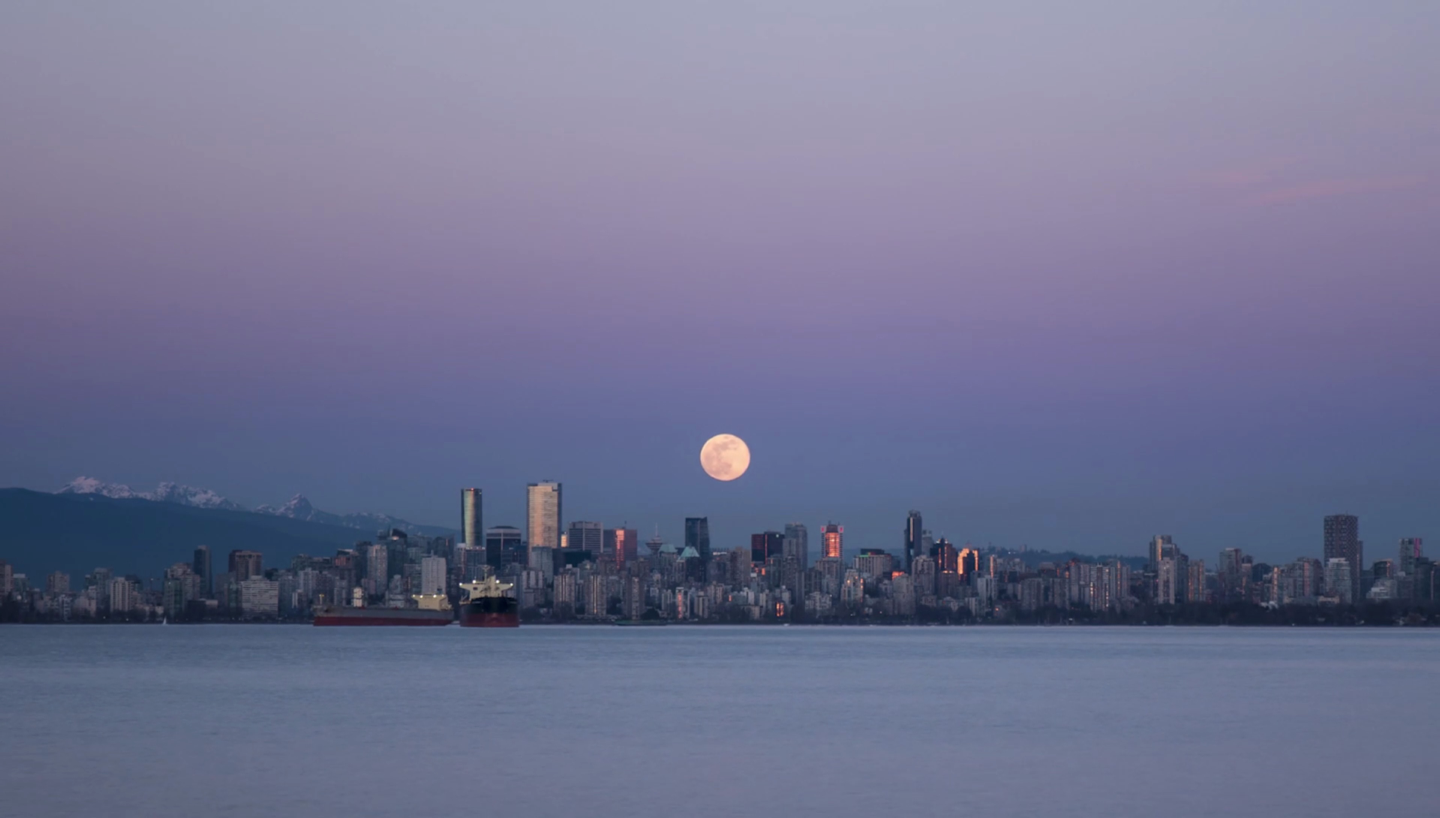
(472,527)
(586,536)
(914,536)
(697,536)
(832,544)
(542,514)
(200,566)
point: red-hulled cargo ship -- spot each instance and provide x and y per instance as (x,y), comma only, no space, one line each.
(487,605)
(433,610)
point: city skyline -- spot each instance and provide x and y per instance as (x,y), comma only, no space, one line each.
(967,260)
(543,498)
(598,575)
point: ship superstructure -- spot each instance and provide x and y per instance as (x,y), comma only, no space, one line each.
(488,604)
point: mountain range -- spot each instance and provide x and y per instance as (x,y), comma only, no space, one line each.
(296,508)
(75,532)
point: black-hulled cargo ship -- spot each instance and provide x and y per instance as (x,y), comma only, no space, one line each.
(489,605)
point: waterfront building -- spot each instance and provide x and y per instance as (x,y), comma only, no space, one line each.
(259,598)
(565,590)
(597,596)
(632,598)
(121,596)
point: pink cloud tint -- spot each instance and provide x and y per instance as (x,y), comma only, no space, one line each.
(1327,188)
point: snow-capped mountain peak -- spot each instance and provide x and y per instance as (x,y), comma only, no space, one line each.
(164,493)
(296,508)
(191,496)
(89,485)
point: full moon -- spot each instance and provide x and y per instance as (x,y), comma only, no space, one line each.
(725,457)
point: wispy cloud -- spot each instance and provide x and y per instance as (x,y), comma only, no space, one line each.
(1248,176)
(1277,181)
(1328,188)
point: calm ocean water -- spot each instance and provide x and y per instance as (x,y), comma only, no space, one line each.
(710,721)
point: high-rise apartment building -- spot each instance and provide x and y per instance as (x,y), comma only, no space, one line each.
(201,566)
(697,536)
(1342,541)
(472,517)
(1168,582)
(914,538)
(585,536)
(1232,577)
(121,596)
(1157,551)
(57,582)
(542,514)
(797,543)
(377,568)
(244,565)
(1338,581)
(1411,551)
(832,541)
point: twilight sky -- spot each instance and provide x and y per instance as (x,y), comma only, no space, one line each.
(1056,274)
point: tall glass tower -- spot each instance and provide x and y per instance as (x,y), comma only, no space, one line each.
(542,514)
(914,536)
(697,536)
(832,544)
(472,528)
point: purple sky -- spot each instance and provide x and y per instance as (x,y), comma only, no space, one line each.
(1066,275)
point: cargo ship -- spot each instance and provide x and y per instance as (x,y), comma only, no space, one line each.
(433,609)
(488,606)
